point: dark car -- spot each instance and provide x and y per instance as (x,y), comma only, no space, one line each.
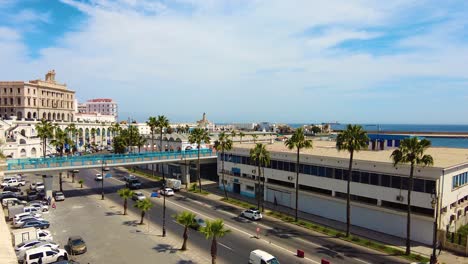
(134,184)
(11,189)
(198,223)
(76,245)
(9,195)
(37,224)
(32,195)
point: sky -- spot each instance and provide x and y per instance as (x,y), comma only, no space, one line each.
(400,61)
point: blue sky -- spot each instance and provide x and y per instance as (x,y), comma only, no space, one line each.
(241,61)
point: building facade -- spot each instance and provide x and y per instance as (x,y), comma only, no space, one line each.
(103,106)
(37,99)
(378,189)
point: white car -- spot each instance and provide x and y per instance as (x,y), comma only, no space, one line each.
(167,192)
(42,244)
(39,206)
(13,183)
(7,201)
(47,255)
(21,215)
(39,186)
(59,196)
(98,177)
(138,196)
(252,214)
(19,223)
(44,235)
(34,243)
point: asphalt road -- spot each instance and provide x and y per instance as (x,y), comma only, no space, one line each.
(276,237)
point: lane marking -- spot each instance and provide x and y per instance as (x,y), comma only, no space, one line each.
(221,244)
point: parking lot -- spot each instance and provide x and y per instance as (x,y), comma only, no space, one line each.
(110,237)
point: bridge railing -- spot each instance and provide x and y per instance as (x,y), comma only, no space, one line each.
(35,163)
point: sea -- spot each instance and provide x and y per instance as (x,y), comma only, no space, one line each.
(459,142)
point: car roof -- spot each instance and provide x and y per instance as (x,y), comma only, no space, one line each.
(75,238)
(35,250)
(263,254)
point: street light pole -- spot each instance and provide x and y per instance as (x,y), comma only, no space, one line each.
(164,211)
(102,181)
(435,205)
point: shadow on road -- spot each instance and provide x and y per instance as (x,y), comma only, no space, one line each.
(165,248)
(185,262)
(132,223)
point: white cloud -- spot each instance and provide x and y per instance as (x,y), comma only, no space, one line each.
(8,34)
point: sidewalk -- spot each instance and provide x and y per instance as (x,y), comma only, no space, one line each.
(445,257)
(7,252)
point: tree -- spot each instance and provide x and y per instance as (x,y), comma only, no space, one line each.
(411,151)
(199,136)
(187,129)
(144,205)
(214,230)
(81,183)
(315,129)
(222,144)
(152,125)
(233,134)
(161,123)
(353,139)
(241,135)
(119,144)
(44,131)
(72,132)
(60,140)
(140,142)
(115,127)
(169,130)
(186,219)
(254,138)
(93,134)
(298,141)
(261,156)
(125,193)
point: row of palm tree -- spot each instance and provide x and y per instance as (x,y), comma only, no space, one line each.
(213,230)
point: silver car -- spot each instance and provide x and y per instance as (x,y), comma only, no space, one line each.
(59,196)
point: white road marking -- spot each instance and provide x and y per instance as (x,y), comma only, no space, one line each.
(221,244)
(360,260)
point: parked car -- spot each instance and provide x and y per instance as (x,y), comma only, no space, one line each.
(129,177)
(167,192)
(260,257)
(252,214)
(12,189)
(37,223)
(30,209)
(7,201)
(21,222)
(106,169)
(27,245)
(137,196)
(41,244)
(98,177)
(13,183)
(59,196)
(39,186)
(44,235)
(47,255)
(198,223)
(32,195)
(21,215)
(76,245)
(42,207)
(134,184)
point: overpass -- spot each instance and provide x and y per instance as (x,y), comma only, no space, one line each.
(41,165)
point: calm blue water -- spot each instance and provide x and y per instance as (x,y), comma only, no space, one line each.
(437,142)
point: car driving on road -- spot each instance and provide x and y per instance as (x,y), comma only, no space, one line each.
(76,245)
(98,177)
(252,214)
(138,196)
(167,192)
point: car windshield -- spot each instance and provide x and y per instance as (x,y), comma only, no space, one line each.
(273,261)
(77,242)
(59,193)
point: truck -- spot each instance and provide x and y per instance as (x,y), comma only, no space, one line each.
(14,183)
(134,184)
(174,184)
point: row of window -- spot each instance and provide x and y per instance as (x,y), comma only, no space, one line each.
(385,180)
(459,180)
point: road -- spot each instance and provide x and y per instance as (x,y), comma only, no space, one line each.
(276,237)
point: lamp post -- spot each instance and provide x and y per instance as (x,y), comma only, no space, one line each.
(102,181)
(164,210)
(435,205)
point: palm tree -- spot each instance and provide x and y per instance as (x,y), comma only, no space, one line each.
(125,193)
(161,123)
(186,219)
(44,131)
(93,134)
(222,144)
(214,230)
(254,137)
(144,205)
(60,140)
(241,135)
(411,151)
(152,123)
(140,142)
(261,156)
(199,135)
(298,141)
(72,131)
(354,138)
(116,129)
(81,183)
(233,134)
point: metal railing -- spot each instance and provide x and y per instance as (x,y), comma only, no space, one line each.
(109,159)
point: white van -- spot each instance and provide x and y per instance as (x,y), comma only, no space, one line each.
(261,257)
(46,254)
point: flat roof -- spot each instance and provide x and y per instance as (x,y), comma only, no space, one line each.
(443,157)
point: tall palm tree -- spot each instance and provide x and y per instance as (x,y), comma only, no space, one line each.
(353,139)
(60,140)
(116,129)
(298,141)
(411,151)
(254,137)
(233,134)
(144,205)
(152,123)
(222,144)
(214,230)
(140,142)
(199,136)
(161,123)
(241,135)
(72,130)
(93,134)
(261,156)
(186,219)
(125,193)
(44,131)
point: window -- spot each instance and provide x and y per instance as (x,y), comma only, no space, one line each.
(385,180)
(418,185)
(282,183)
(404,183)
(321,172)
(36,256)
(365,177)
(50,253)
(274,164)
(396,182)
(292,167)
(338,174)
(356,176)
(315,189)
(280,165)
(249,188)
(307,169)
(329,172)
(313,170)
(389,143)
(429,186)
(374,178)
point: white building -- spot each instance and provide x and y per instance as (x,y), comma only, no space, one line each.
(244,126)
(95,118)
(103,106)
(379,189)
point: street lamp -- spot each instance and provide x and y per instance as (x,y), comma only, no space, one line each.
(435,205)
(103,163)
(164,210)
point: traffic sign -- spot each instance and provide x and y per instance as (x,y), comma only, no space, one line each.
(108,175)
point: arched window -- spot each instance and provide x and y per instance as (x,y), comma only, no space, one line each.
(23,153)
(29,115)
(33,152)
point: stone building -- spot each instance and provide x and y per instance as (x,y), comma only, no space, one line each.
(37,99)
